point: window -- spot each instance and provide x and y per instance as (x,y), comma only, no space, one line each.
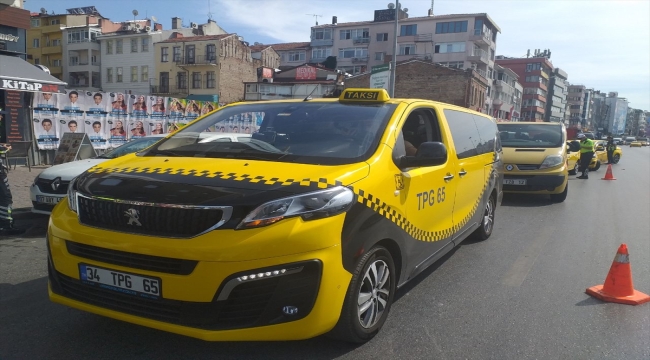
(109,75)
(37,61)
(347,53)
(455,47)
(210,80)
(322,34)
(321,52)
(177,54)
(144,70)
(407,49)
(360,33)
(196,80)
(345,34)
(36,22)
(119,74)
(296,56)
(164,54)
(211,52)
(36,43)
(471,140)
(382,37)
(380,56)
(93,60)
(56,42)
(134,45)
(77,36)
(453,64)
(56,62)
(74,60)
(109,46)
(118,46)
(354,70)
(145,44)
(134,74)
(407,30)
(55,22)
(181,80)
(451,27)
(533,67)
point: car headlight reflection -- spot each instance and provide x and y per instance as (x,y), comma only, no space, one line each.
(551,161)
(310,206)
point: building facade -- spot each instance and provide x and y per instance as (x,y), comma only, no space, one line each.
(575,105)
(636,120)
(295,83)
(426,80)
(128,56)
(211,65)
(616,113)
(294,54)
(506,100)
(556,99)
(265,56)
(81,56)
(534,73)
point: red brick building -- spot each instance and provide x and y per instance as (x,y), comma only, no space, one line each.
(534,74)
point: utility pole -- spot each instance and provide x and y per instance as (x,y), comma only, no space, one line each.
(393,68)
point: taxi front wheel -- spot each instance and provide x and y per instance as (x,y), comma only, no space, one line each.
(487,223)
(369,297)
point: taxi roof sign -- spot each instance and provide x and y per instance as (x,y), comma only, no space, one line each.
(365,95)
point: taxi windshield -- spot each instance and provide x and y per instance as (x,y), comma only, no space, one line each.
(315,132)
(530,135)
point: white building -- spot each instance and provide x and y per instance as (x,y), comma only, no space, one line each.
(128,58)
(81,57)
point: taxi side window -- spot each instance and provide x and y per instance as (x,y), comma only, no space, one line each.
(420,126)
(473,134)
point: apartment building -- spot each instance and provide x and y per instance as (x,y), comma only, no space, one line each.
(128,56)
(45,37)
(587,109)
(296,53)
(507,97)
(534,73)
(556,99)
(575,105)
(459,41)
(599,113)
(81,56)
(616,113)
(199,67)
(265,56)
(636,120)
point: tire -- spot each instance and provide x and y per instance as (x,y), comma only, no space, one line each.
(575,169)
(596,167)
(617,158)
(487,224)
(356,325)
(558,198)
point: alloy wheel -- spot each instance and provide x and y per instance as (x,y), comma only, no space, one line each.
(488,217)
(374,293)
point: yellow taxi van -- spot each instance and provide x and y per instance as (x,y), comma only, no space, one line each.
(307,228)
(535,158)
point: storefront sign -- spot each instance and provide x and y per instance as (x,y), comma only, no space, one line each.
(9,37)
(27,86)
(380,77)
(305,73)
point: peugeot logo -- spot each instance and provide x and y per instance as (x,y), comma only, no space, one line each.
(509,167)
(133,216)
(56,183)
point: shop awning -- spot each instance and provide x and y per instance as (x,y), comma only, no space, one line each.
(19,75)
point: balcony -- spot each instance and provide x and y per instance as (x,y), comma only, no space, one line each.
(504,86)
(424,37)
(361,41)
(169,90)
(322,42)
(478,56)
(200,60)
(480,37)
(360,59)
(51,28)
(480,72)
(55,70)
(84,63)
(49,50)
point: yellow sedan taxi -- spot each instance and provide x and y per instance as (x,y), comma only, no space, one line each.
(636,143)
(601,153)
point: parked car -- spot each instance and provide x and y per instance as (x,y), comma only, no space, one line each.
(629,140)
(618,141)
(601,153)
(51,185)
(644,141)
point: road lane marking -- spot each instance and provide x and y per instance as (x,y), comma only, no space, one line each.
(521,267)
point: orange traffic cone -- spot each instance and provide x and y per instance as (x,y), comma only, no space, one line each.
(608,174)
(618,286)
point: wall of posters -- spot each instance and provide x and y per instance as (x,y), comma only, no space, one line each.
(110,119)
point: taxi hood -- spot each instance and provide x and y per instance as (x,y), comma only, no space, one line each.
(209,181)
(513,155)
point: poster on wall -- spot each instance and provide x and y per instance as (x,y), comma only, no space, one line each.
(176,114)
(95,122)
(157,115)
(73,107)
(139,115)
(46,112)
(117,120)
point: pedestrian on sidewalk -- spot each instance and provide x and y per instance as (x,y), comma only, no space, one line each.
(586,153)
(6,200)
(610,147)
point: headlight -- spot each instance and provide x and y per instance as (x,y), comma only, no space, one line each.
(551,161)
(36,179)
(72,195)
(311,206)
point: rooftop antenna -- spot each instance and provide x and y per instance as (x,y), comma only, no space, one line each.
(316,17)
(209,11)
(135,13)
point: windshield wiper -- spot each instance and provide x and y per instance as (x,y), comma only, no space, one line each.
(164,152)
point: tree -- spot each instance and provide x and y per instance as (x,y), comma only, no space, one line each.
(330,62)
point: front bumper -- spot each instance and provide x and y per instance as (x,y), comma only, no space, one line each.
(205,300)
(537,184)
(40,207)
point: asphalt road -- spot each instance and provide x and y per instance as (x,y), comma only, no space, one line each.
(518,295)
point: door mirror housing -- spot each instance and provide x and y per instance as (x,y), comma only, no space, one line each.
(574,146)
(429,154)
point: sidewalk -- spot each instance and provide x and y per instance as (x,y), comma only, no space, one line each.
(20,180)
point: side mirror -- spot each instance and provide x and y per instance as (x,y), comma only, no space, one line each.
(429,154)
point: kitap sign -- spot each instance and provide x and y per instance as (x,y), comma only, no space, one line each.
(27,86)
(380,76)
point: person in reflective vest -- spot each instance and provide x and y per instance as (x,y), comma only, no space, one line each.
(610,147)
(586,153)
(6,200)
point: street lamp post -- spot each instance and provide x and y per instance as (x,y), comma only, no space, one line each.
(393,68)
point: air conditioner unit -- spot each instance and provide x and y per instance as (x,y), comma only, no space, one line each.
(126,27)
(268,80)
(138,25)
(427,57)
(147,28)
(194,25)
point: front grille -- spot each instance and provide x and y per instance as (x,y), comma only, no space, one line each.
(132,260)
(527,166)
(45,186)
(43,207)
(153,220)
(249,304)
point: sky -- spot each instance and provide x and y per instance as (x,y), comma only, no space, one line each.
(602,44)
